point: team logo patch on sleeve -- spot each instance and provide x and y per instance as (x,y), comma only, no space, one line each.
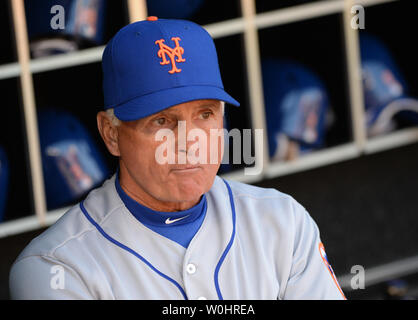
(327,264)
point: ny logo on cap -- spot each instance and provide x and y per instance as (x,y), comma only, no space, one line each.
(175,54)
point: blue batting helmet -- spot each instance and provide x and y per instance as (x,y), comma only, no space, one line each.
(72,162)
(385,90)
(296,103)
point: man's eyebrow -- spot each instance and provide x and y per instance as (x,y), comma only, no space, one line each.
(161,114)
(208,105)
(175,112)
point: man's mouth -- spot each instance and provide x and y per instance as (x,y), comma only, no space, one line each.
(186,169)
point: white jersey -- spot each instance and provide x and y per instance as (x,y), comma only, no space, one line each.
(254,243)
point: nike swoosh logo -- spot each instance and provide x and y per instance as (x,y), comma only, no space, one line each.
(169,221)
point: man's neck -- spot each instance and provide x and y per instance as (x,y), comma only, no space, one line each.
(136,192)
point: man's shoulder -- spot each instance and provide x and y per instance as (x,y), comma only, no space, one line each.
(267,201)
(241,189)
(248,191)
(72,226)
(54,251)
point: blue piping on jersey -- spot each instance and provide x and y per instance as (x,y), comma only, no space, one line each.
(221,260)
(83,209)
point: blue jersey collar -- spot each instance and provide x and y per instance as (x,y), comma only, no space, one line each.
(151,217)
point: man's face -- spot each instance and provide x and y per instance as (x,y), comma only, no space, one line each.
(140,173)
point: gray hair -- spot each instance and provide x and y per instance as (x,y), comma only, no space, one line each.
(116,122)
(111,114)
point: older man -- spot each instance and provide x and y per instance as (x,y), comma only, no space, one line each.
(172,229)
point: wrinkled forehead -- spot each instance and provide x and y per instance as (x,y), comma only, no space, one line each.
(191,106)
(181,111)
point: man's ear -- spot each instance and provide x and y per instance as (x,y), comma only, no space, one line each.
(109,133)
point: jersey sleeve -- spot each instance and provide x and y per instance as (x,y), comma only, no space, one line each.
(311,275)
(44,278)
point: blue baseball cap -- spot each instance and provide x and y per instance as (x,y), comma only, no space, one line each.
(154,64)
(385,90)
(296,103)
(71,160)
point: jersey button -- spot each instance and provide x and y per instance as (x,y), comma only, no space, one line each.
(191,268)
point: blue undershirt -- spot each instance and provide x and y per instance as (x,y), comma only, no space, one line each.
(179,226)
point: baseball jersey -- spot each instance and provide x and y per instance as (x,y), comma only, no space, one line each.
(254,243)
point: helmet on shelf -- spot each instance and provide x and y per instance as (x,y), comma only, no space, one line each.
(384,87)
(72,162)
(59,26)
(296,103)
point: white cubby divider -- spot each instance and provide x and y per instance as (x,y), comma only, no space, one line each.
(29,110)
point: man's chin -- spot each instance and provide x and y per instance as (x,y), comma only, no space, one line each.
(190,186)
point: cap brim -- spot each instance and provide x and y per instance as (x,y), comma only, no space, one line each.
(149,104)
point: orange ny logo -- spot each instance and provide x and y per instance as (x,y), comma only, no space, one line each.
(174,54)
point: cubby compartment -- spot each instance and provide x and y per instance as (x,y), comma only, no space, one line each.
(233,70)
(58,26)
(306,93)
(389,65)
(268,5)
(75,159)
(200,11)
(8,52)
(15,183)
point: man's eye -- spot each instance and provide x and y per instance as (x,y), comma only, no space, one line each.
(206,115)
(160,121)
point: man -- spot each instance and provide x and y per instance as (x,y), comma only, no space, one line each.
(172,229)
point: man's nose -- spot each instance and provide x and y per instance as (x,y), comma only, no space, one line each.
(184,127)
